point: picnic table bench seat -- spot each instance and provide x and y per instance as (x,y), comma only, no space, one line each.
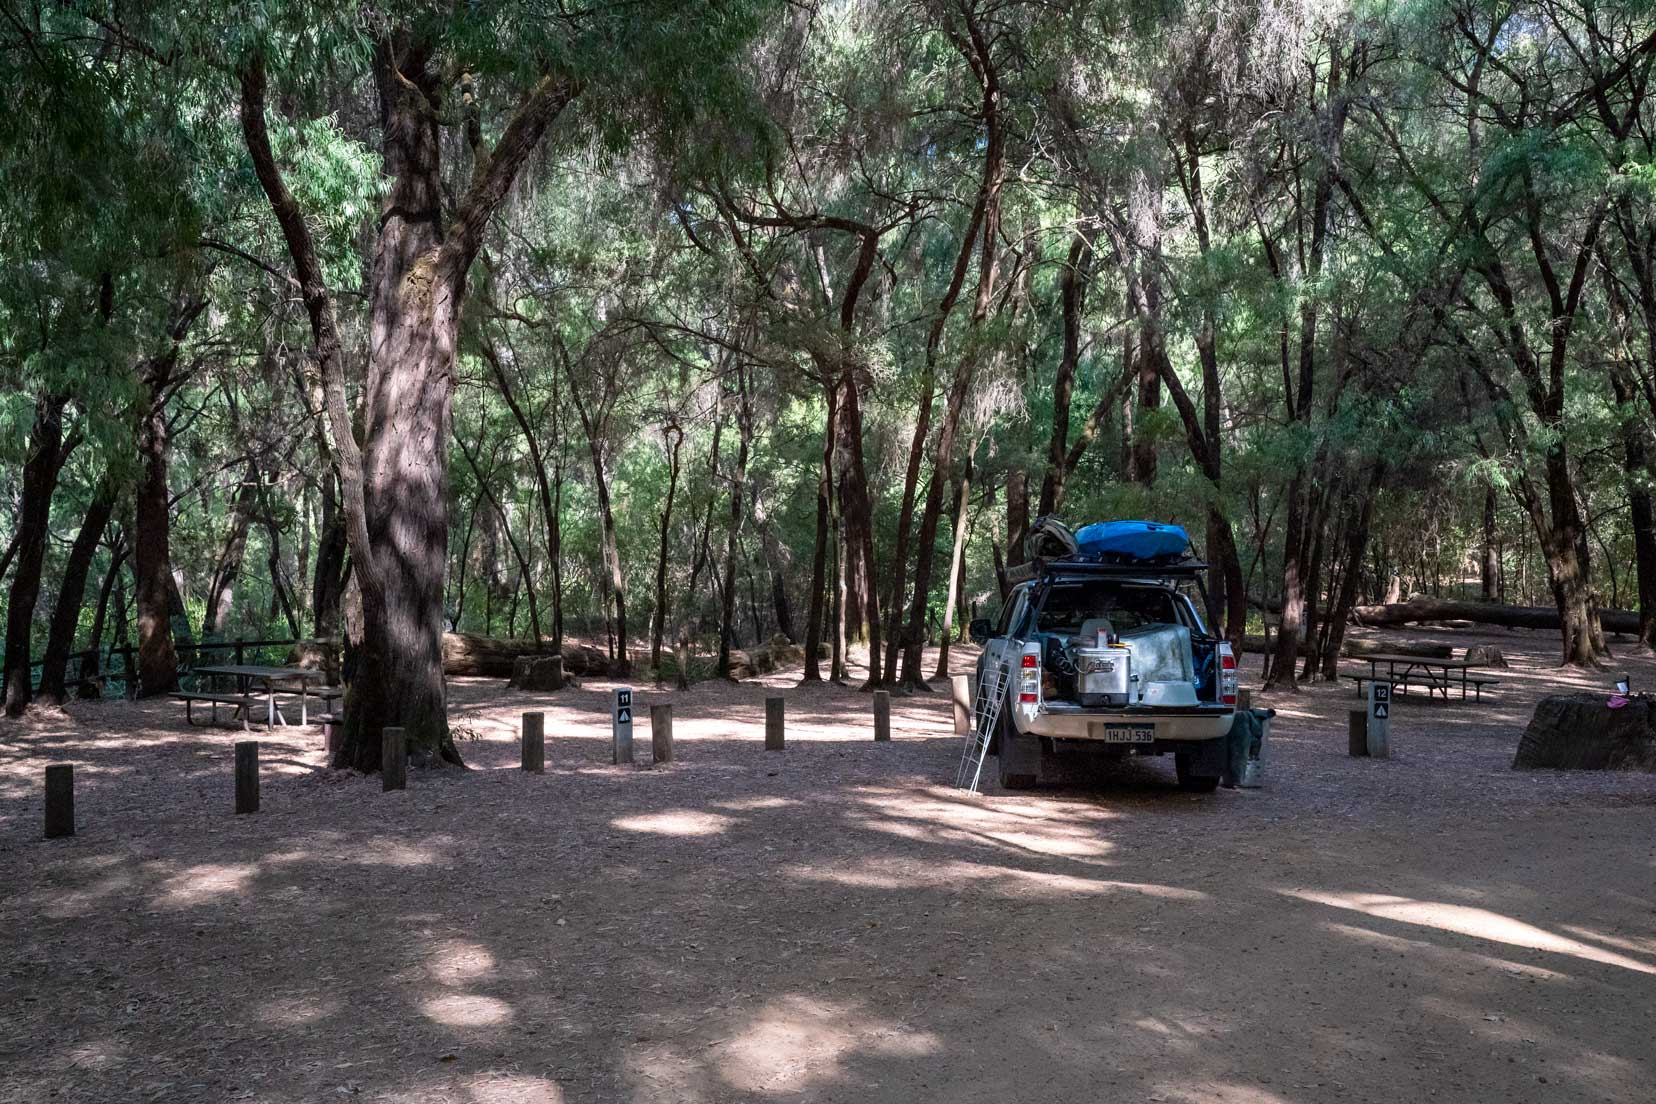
(191,697)
(1476,683)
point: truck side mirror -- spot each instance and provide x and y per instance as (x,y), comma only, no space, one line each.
(979,629)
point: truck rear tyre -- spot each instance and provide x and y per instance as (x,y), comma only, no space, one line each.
(1184,763)
(1017,758)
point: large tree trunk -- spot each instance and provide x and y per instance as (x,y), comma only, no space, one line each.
(40,473)
(396,488)
(153,585)
(66,616)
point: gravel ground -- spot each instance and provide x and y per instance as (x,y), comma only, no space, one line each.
(829,923)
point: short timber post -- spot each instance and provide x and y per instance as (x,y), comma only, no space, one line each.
(534,742)
(774,709)
(621,726)
(882,715)
(960,687)
(1244,699)
(661,734)
(247,776)
(1357,732)
(60,800)
(394,759)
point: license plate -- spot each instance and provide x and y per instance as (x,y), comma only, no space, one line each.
(1128,733)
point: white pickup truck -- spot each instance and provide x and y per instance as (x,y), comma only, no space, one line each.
(1109,658)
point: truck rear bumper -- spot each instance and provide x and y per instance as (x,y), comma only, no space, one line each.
(1176,724)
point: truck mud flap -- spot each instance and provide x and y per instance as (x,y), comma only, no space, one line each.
(1207,757)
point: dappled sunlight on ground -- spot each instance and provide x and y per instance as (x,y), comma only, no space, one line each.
(796,1041)
(1475,922)
(682,822)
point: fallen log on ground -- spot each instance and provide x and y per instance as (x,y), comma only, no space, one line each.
(1511,617)
(1255,645)
(493,657)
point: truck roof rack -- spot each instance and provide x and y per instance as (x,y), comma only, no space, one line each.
(1083,567)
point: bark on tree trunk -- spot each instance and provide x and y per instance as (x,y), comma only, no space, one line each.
(153,587)
(66,616)
(328,579)
(40,473)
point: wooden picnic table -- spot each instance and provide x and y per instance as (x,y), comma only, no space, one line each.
(247,674)
(1437,675)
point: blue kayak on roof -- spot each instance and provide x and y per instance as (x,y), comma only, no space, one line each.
(1148,541)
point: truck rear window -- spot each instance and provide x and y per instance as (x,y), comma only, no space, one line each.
(1069,606)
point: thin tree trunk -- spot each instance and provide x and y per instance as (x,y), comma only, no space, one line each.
(674,437)
(738,492)
(221,587)
(963,497)
(66,616)
(819,555)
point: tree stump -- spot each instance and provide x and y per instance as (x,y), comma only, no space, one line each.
(1486,654)
(543,673)
(1580,732)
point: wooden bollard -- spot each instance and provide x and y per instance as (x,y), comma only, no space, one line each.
(1357,732)
(960,688)
(773,724)
(661,734)
(393,759)
(882,716)
(1244,699)
(247,776)
(60,800)
(534,742)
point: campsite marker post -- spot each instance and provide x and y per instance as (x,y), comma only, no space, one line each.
(621,725)
(1379,719)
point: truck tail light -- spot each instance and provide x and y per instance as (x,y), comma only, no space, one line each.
(1029,689)
(1227,673)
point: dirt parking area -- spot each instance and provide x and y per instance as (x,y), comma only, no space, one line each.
(831,922)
